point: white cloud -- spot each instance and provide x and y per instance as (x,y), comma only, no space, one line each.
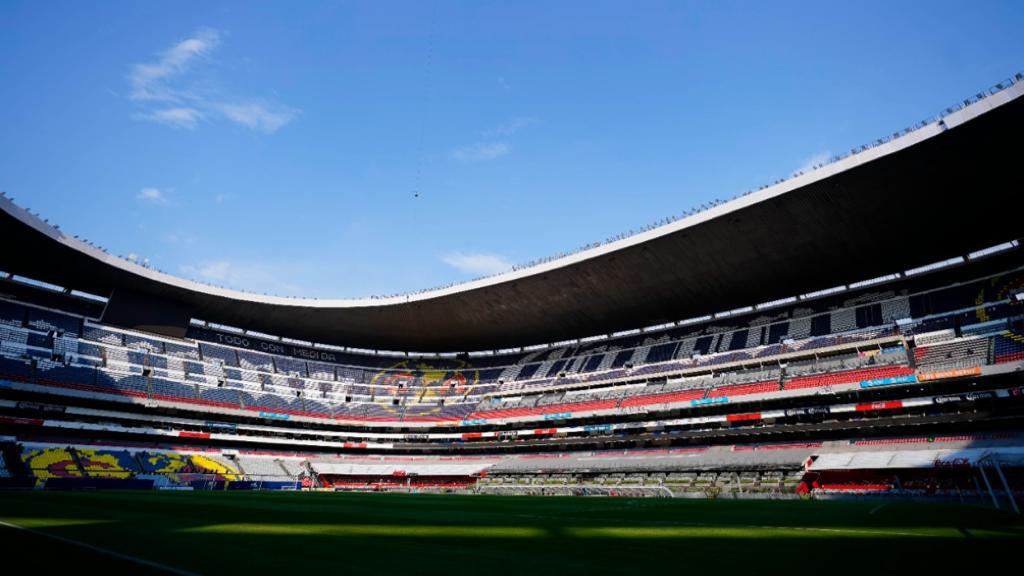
(149,79)
(259,116)
(153,196)
(180,238)
(177,117)
(815,160)
(211,271)
(477,263)
(167,94)
(258,277)
(481,151)
(494,143)
(515,125)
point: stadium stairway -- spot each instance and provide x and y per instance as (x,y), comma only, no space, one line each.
(78,462)
(137,458)
(238,464)
(282,467)
(11,453)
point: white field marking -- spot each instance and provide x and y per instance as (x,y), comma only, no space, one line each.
(106,551)
(755,526)
(877,508)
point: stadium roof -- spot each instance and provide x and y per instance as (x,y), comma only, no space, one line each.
(947,188)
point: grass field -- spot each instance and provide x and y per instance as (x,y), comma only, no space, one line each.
(323,533)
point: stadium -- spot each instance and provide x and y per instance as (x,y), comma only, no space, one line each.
(835,359)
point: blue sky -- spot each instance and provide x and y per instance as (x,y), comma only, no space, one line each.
(278,147)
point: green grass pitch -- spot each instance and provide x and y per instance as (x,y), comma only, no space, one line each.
(325,533)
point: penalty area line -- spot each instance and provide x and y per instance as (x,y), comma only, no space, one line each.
(105,551)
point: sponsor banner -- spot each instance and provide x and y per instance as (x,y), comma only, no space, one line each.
(545,431)
(952,462)
(743,417)
(695,420)
(705,401)
(958,373)
(476,422)
(41,407)
(808,411)
(969,397)
(221,425)
(507,434)
(558,416)
(472,435)
(187,434)
(21,421)
(258,344)
(274,415)
(888,381)
(359,445)
(868,406)
(418,437)
(598,428)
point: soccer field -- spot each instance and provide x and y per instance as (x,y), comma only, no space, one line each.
(288,533)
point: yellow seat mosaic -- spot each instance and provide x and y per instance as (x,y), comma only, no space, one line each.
(107,463)
(46,463)
(215,467)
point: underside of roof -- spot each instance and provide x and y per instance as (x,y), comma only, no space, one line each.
(942,191)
